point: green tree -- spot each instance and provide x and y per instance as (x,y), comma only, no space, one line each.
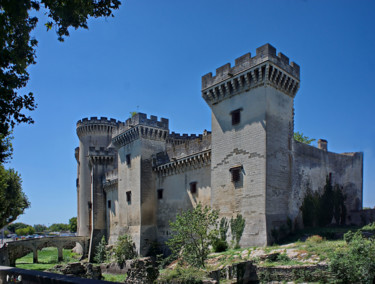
(237,226)
(101,253)
(17,51)
(124,249)
(25,231)
(73,224)
(12,199)
(302,138)
(193,232)
(40,228)
(14,226)
(58,227)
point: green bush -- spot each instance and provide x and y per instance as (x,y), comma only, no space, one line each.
(356,264)
(219,245)
(124,249)
(315,239)
(237,226)
(101,253)
(182,275)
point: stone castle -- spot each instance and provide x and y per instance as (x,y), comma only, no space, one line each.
(135,176)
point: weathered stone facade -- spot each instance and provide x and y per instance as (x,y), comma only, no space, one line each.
(135,176)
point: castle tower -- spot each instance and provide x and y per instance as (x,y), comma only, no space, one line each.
(93,159)
(136,141)
(252,130)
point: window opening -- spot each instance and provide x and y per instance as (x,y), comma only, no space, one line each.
(128,160)
(236,174)
(160,193)
(193,187)
(236,116)
(109,204)
(129,197)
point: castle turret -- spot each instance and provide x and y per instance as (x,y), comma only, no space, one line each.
(252,130)
(93,159)
(136,141)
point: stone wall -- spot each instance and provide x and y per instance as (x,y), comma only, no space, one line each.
(311,168)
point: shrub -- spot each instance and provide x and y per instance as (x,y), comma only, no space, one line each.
(315,239)
(193,232)
(237,227)
(101,254)
(182,275)
(219,245)
(124,249)
(356,264)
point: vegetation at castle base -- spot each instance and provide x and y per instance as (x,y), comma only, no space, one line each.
(298,136)
(318,209)
(73,224)
(101,252)
(17,51)
(193,232)
(124,249)
(12,199)
(47,259)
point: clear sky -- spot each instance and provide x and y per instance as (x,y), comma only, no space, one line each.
(150,58)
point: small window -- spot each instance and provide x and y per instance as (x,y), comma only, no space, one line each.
(109,204)
(236,116)
(129,197)
(160,193)
(236,174)
(193,187)
(89,205)
(128,160)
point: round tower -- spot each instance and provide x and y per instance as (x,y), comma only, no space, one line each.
(96,133)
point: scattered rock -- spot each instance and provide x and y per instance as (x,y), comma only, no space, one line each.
(79,269)
(142,270)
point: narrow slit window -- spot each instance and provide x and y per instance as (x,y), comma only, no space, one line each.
(193,187)
(129,197)
(160,193)
(236,116)
(109,204)
(128,160)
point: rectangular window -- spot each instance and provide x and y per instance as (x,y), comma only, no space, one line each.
(193,187)
(89,205)
(236,174)
(129,197)
(160,193)
(128,160)
(236,116)
(109,204)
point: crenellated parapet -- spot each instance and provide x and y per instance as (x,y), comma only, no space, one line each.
(177,166)
(101,155)
(139,126)
(250,72)
(177,138)
(94,126)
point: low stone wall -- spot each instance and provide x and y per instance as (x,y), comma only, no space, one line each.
(17,275)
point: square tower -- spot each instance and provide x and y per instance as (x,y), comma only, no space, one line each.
(252,131)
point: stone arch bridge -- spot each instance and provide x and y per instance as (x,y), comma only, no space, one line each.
(11,251)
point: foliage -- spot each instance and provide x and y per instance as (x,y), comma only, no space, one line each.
(101,253)
(40,228)
(73,224)
(6,147)
(237,227)
(124,249)
(17,51)
(356,264)
(319,209)
(132,113)
(58,227)
(25,231)
(14,226)
(193,232)
(369,227)
(182,275)
(12,199)
(220,244)
(314,239)
(119,278)
(302,138)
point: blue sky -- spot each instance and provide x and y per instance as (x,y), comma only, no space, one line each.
(150,58)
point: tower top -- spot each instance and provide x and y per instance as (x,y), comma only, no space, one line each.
(265,68)
(264,53)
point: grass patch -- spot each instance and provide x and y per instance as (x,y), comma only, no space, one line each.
(47,259)
(114,277)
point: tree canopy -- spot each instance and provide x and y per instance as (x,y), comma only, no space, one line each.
(17,50)
(302,138)
(12,199)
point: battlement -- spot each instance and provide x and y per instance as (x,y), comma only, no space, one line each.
(141,118)
(95,120)
(264,53)
(94,126)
